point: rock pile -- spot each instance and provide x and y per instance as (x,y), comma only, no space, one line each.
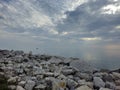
(24,71)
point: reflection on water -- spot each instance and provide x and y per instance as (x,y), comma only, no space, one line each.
(104,60)
(107,57)
(107,63)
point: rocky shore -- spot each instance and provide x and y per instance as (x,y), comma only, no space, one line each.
(25,71)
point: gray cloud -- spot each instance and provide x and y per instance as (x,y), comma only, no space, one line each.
(88,21)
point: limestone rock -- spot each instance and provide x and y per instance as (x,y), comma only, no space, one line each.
(40,87)
(22,83)
(117,88)
(20,88)
(29,85)
(116,75)
(117,82)
(67,71)
(85,76)
(81,82)
(71,83)
(98,82)
(58,84)
(12,80)
(110,85)
(12,87)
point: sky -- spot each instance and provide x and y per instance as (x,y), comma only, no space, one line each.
(88,29)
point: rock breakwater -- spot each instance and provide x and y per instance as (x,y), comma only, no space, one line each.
(25,71)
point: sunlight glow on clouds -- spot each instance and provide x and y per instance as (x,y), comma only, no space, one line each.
(117,27)
(111,9)
(91,39)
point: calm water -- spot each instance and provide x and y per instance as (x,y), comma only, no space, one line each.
(97,58)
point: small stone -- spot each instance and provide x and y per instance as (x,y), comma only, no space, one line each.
(100,74)
(18,59)
(61,76)
(85,76)
(54,60)
(39,77)
(67,71)
(40,87)
(18,52)
(49,74)
(19,71)
(76,78)
(70,76)
(81,82)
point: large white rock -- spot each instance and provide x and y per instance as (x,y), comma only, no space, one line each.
(20,88)
(22,83)
(116,75)
(84,87)
(81,82)
(29,85)
(12,80)
(117,82)
(89,84)
(12,87)
(71,83)
(58,84)
(98,82)
(117,88)
(2,74)
(110,85)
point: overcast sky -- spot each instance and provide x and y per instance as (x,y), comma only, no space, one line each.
(80,28)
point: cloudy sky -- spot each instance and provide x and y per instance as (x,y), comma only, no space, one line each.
(89,29)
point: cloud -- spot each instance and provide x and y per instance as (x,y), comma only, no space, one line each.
(111,9)
(88,21)
(24,14)
(71,19)
(36,17)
